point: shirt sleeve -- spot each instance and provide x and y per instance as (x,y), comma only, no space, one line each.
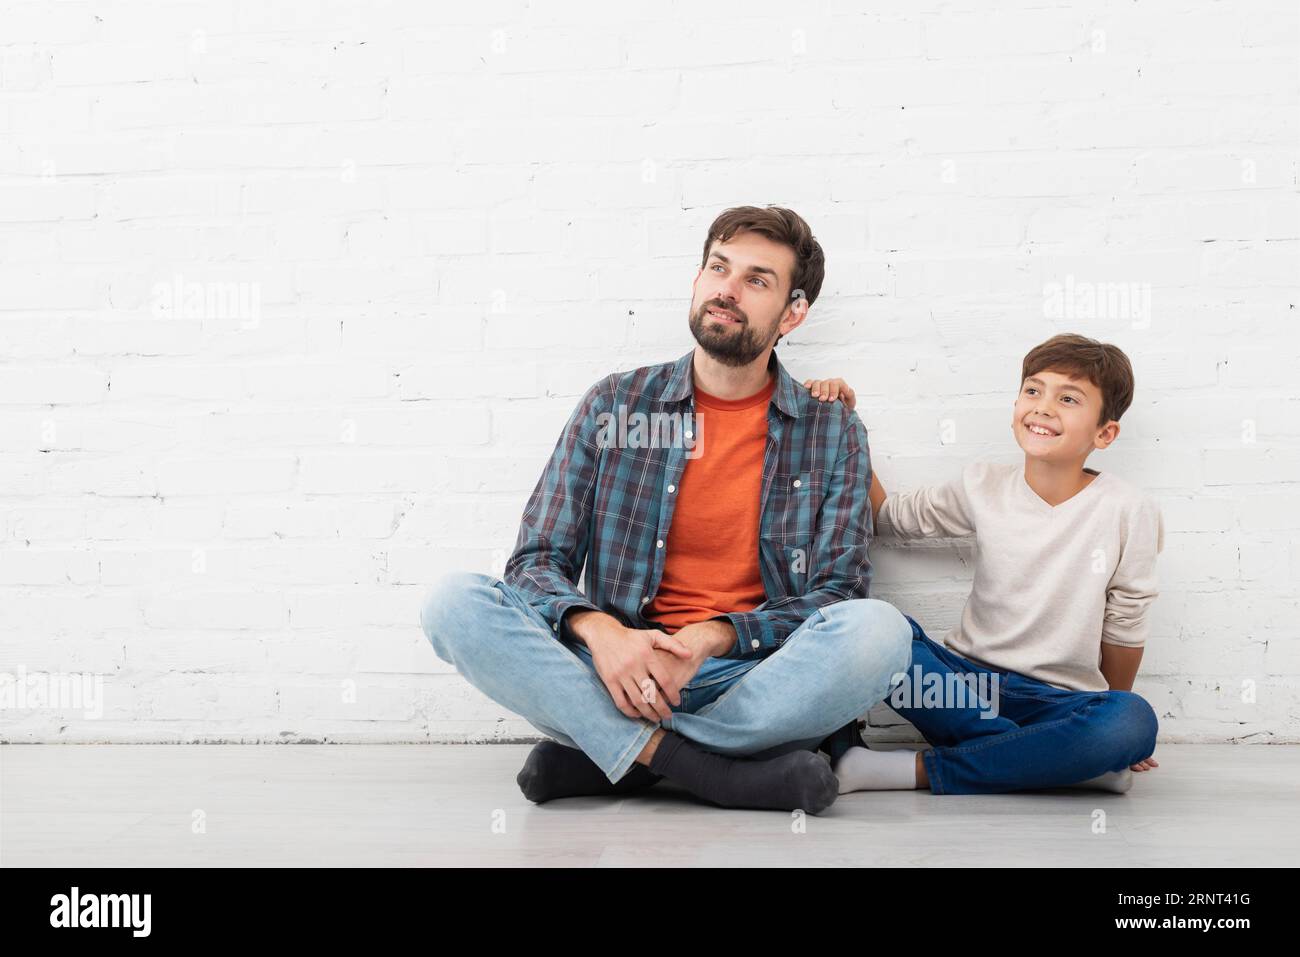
(939,511)
(839,568)
(553,535)
(1133,586)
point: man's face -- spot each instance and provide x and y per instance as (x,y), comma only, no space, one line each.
(1055,417)
(741,300)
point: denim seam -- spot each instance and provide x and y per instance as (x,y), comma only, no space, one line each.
(932,770)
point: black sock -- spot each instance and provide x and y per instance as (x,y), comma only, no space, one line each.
(838,743)
(553,770)
(800,779)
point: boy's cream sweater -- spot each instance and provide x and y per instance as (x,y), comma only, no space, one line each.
(1051,583)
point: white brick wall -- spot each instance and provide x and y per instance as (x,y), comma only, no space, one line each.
(294,298)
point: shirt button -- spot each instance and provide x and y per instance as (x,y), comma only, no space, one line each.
(555,627)
(754,643)
(659,544)
(645,599)
(690,435)
(672,488)
(797,483)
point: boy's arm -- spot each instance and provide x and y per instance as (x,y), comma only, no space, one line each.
(940,511)
(877,497)
(1119,665)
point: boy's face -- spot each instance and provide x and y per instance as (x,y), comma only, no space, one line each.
(1055,418)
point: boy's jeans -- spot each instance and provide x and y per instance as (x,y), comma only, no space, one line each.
(829,671)
(1041,737)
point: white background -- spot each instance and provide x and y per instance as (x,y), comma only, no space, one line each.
(407,236)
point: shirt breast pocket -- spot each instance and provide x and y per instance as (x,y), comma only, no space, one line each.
(789,527)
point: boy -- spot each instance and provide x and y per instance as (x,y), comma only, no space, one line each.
(1033,687)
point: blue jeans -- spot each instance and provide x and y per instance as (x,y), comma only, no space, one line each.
(833,668)
(1025,735)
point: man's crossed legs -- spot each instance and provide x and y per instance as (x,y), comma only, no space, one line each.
(742,734)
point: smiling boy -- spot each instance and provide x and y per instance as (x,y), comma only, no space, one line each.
(1057,615)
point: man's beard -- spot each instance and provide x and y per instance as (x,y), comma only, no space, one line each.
(730,346)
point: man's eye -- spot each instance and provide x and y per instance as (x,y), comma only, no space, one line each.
(759,281)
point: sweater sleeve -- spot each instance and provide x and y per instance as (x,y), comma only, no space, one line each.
(940,511)
(1133,586)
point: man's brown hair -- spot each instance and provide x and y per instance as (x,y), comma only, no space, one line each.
(1101,363)
(780,225)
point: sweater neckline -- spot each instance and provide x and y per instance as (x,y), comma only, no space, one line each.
(1043,505)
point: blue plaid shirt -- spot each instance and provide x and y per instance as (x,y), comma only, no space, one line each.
(609,504)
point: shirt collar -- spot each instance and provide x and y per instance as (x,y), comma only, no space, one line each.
(681,383)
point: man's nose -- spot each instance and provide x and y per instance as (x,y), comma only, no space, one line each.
(727,290)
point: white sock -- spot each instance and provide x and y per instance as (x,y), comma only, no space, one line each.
(861,769)
(1117,781)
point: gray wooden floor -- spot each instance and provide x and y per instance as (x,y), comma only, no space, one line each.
(218,805)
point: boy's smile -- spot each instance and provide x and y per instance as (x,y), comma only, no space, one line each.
(1038,427)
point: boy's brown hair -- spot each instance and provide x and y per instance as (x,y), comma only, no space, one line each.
(780,225)
(1102,364)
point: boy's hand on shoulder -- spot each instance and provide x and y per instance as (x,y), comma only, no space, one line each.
(828,390)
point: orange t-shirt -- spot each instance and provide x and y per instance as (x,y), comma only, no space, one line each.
(711,554)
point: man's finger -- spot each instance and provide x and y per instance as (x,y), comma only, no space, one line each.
(620,700)
(636,697)
(671,693)
(653,695)
(669,643)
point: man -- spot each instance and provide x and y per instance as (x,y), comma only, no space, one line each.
(724,629)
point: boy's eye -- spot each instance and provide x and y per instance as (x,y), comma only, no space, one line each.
(1029,390)
(1069,398)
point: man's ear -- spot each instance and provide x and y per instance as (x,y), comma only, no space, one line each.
(1107,434)
(797,313)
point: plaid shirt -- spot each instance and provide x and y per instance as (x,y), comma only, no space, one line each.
(610,505)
